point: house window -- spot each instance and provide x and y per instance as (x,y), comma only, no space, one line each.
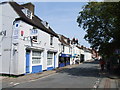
(51,40)
(29,14)
(36,57)
(49,58)
(34,39)
(34,35)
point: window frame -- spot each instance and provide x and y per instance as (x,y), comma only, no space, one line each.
(36,57)
(51,57)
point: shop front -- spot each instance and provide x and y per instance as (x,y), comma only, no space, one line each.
(34,59)
(64,60)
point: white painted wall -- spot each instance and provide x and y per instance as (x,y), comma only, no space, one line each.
(88,56)
(1,38)
(43,42)
(81,51)
(8,17)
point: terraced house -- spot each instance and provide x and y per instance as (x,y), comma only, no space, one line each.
(65,51)
(28,44)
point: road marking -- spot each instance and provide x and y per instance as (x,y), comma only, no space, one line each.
(96,83)
(16,84)
(11,82)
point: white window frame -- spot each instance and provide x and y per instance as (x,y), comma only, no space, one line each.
(52,59)
(34,33)
(37,57)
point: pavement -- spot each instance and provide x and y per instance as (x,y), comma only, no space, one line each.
(105,81)
(109,80)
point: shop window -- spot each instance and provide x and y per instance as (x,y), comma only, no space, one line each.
(34,35)
(61,60)
(49,58)
(36,57)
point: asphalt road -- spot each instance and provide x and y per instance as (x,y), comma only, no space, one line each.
(83,76)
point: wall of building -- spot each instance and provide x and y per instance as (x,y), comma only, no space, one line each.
(42,45)
(1,39)
(8,17)
(14,44)
(88,56)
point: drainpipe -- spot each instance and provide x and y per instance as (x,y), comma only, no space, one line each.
(11,51)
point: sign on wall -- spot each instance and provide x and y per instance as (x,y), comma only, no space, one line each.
(15,34)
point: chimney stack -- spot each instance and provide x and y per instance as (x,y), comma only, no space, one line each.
(29,6)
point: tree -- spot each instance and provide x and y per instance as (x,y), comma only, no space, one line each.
(101,21)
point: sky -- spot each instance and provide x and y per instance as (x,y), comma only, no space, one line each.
(62,17)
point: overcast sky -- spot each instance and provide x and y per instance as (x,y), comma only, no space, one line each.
(62,17)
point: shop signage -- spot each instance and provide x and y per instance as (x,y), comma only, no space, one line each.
(65,55)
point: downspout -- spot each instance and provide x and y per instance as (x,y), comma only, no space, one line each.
(11,52)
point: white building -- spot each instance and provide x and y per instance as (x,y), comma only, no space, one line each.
(27,44)
(87,54)
(81,53)
(65,51)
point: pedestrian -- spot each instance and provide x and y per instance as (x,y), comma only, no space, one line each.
(102,64)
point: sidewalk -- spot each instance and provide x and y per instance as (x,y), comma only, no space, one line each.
(12,81)
(110,81)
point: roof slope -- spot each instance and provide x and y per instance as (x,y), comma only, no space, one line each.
(35,21)
(62,40)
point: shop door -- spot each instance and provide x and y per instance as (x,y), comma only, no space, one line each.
(27,61)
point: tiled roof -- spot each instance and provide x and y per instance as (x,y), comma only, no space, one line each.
(35,21)
(62,40)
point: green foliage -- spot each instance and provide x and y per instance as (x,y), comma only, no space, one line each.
(101,21)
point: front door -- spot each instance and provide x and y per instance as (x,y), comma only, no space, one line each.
(27,61)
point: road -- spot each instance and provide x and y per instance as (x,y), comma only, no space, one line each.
(83,76)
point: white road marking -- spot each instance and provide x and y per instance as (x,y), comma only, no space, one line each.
(11,82)
(96,83)
(16,84)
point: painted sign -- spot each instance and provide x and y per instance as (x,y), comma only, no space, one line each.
(65,55)
(33,32)
(15,34)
